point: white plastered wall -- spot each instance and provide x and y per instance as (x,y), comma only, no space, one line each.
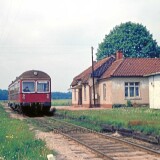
(154,91)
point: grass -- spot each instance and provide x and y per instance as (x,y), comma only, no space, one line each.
(17,142)
(61,102)
(140,119)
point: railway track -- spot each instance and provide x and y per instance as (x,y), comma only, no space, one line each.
(105,146)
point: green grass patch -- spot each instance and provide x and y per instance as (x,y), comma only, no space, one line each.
(61,102)
(17,142)
(140,119)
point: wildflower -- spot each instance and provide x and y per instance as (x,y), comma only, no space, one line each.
(9,136)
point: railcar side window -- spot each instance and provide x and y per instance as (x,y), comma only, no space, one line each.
(28,86)
(43,86)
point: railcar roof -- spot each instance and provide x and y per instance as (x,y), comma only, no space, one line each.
(32,74)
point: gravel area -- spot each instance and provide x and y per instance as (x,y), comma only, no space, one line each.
(77,108)
(13,114)
(67,149)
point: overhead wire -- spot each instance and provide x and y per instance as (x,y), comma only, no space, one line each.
(13,11)
(6,20)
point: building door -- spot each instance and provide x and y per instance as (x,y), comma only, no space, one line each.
(80,96)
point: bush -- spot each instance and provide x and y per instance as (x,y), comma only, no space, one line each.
(118,105)
(129,103)
(82,117)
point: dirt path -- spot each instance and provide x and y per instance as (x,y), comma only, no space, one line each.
(67,149)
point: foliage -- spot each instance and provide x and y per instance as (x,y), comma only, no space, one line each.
(3,94)
(129,103)
(118,105)
(17,142)
(140,119)
(134,40)
(61,102)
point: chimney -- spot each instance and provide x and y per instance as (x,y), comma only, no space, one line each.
(119,55)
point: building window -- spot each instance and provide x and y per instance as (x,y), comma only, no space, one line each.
(75,94)
(104,91)
(131,89)
(85,93)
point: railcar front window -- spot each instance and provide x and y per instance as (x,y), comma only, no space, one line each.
(42,86)
(28,86)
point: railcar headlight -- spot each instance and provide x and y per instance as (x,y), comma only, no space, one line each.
(47,96)
(35,73)
(23,96)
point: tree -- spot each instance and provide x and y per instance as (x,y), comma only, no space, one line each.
(134,40)
(3,94)
(61,95)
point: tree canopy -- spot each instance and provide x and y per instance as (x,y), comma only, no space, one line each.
(61,95)
(133,39)
(3,94)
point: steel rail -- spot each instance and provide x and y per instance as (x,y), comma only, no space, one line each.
(142,148)
(100,154)
(63,128)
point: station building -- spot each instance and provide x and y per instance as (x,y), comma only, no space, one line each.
(118,80)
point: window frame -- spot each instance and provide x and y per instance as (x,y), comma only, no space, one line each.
(85,93)
(128,86)
(29,81)
(43,91)
(104,91)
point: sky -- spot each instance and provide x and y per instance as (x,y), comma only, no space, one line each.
(56,36)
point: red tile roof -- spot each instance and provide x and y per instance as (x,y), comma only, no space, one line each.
(129,67)
(108,73)
(84,76)
(137,67)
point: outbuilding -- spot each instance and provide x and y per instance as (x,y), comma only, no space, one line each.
(154,90)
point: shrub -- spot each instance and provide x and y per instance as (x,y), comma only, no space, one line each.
(82,118)
(129,103)
(118,105)
(53,111)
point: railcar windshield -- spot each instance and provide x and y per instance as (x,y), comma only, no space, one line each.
(28,86)
(43,86)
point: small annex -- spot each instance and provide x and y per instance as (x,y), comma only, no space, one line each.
(116,81)
(154,90)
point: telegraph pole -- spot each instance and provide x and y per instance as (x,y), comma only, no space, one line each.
(93,78)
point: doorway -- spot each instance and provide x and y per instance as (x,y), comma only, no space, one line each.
(80,96)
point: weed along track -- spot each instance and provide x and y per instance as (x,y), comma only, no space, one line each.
(104,146)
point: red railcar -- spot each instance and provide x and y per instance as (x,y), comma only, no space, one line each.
(31,92)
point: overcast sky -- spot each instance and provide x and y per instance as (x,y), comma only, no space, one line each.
(56,36)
